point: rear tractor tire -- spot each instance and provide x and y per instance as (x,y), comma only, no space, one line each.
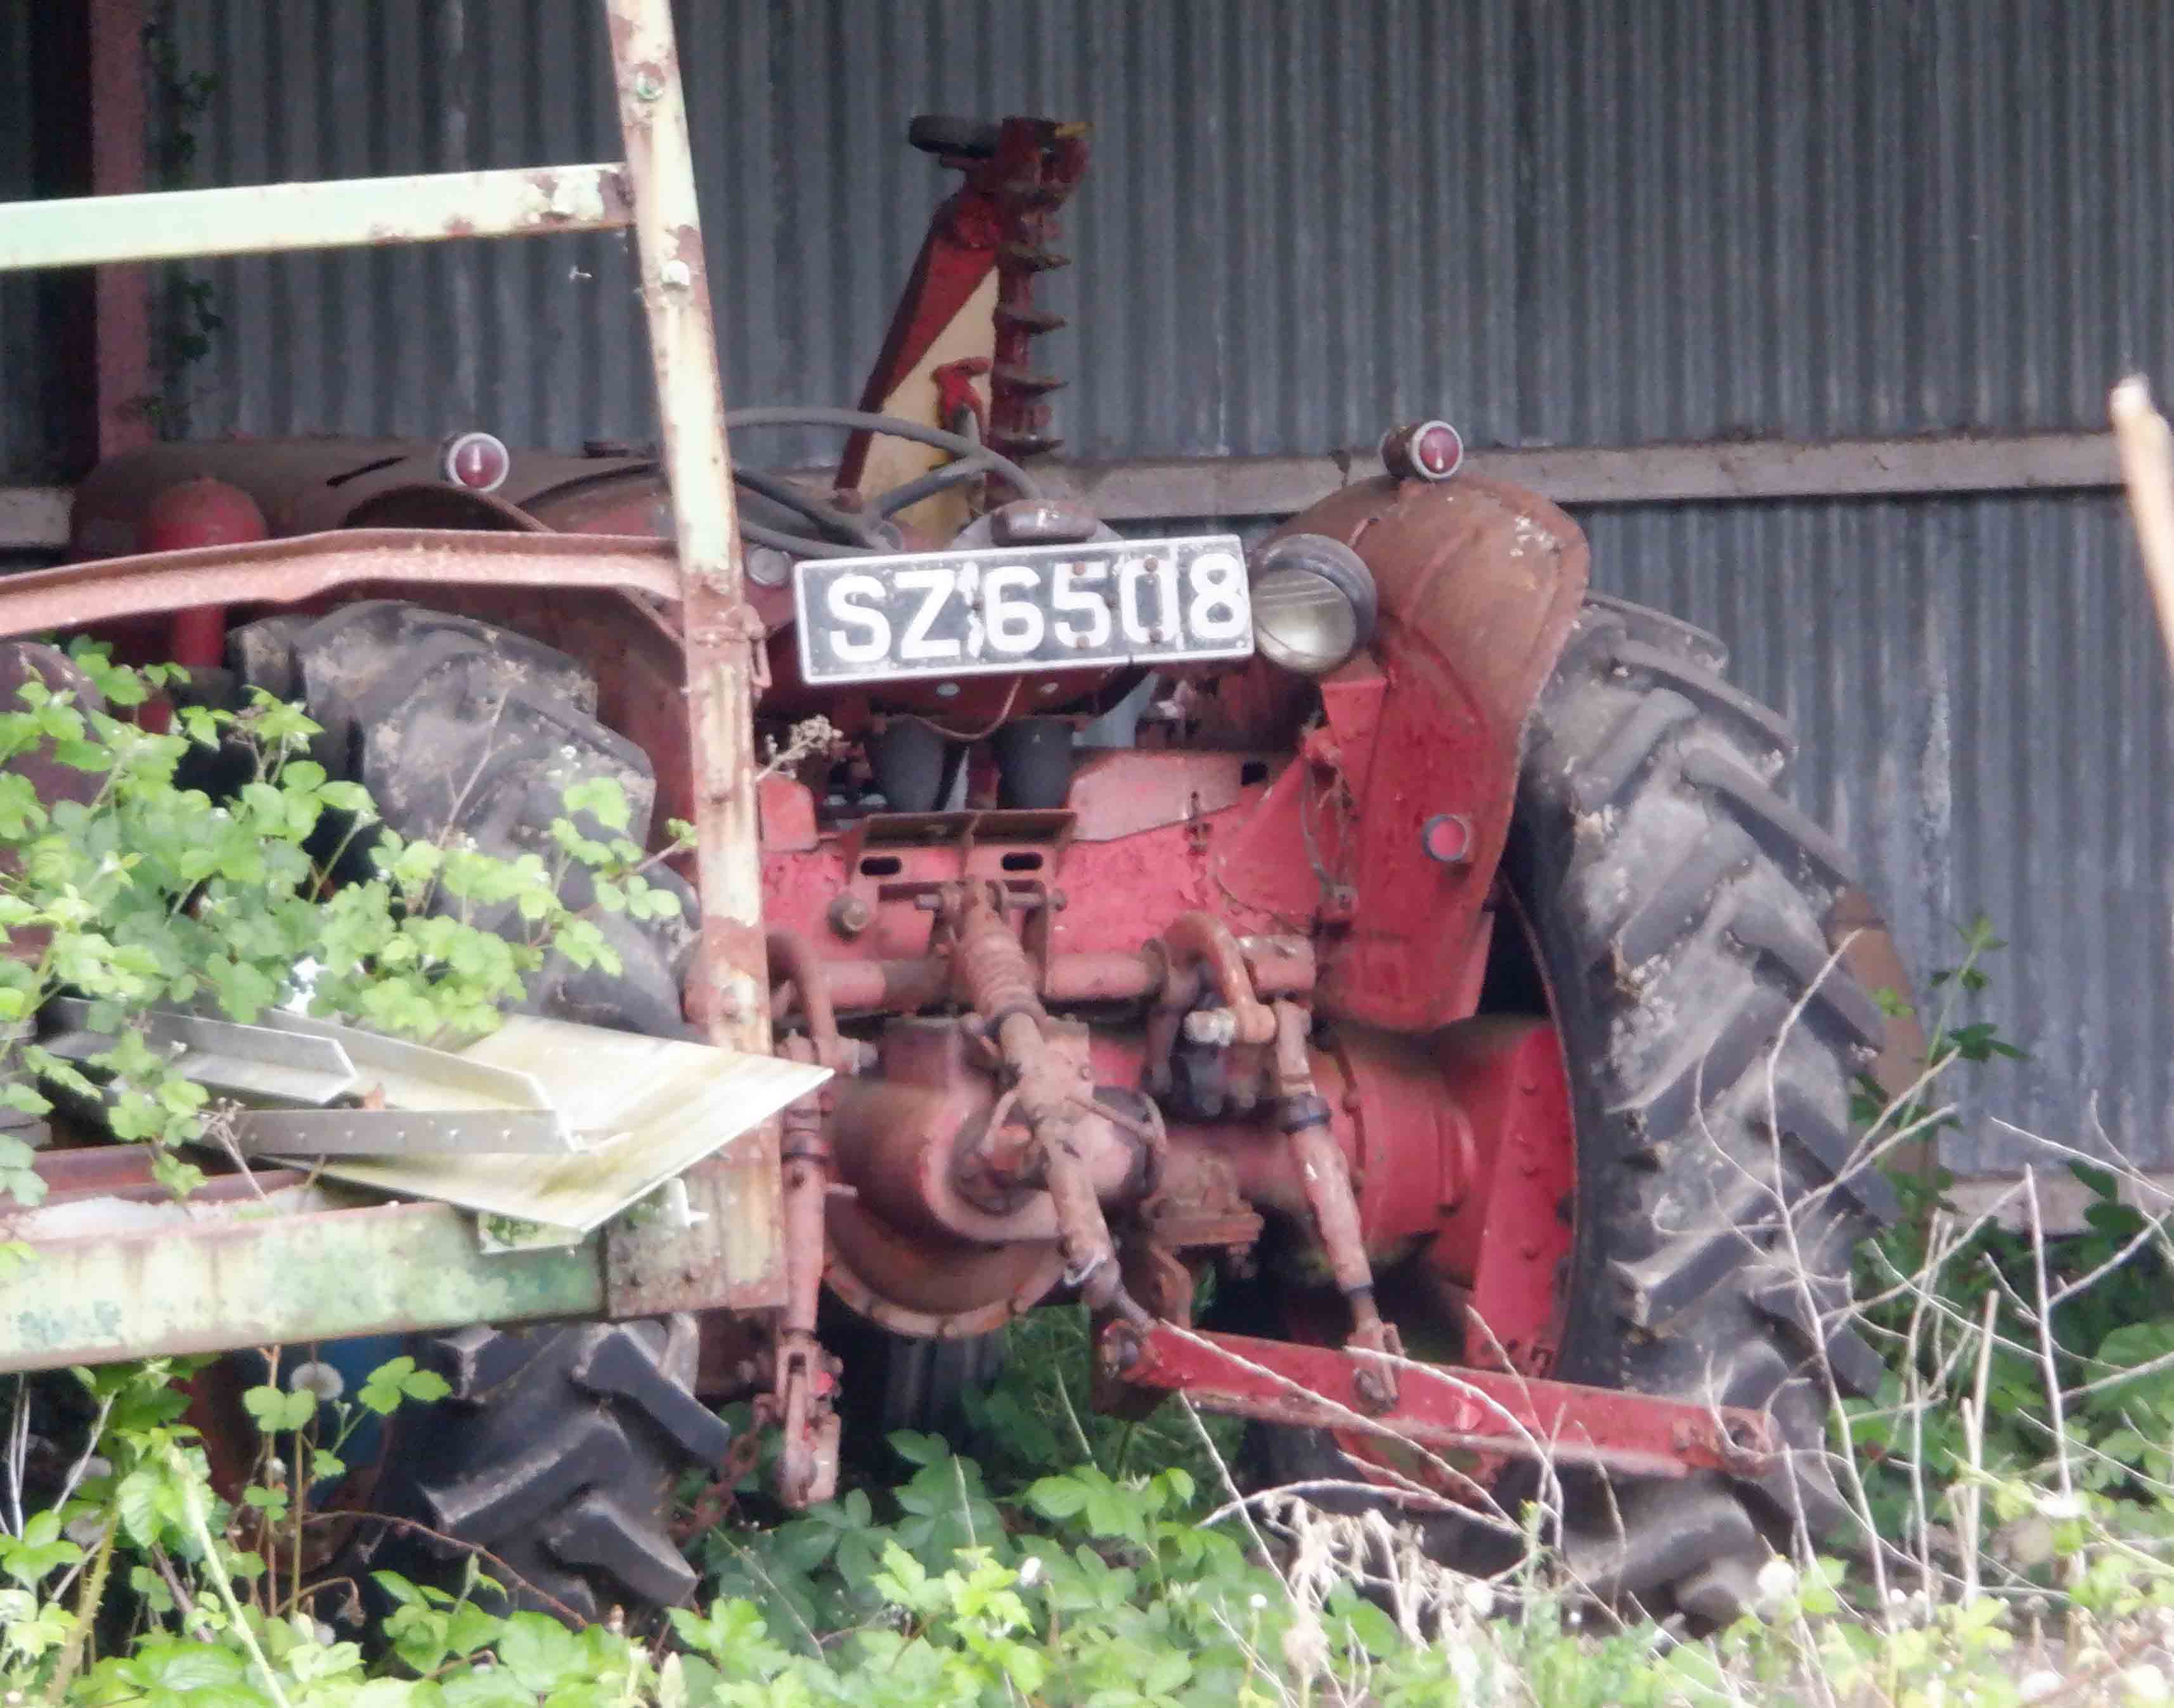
(557,1453)
(1673,907)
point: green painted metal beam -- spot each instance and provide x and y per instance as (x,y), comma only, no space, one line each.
(273,1280)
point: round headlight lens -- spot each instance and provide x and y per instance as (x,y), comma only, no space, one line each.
(1313,603)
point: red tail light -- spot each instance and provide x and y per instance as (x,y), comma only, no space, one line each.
(478,461)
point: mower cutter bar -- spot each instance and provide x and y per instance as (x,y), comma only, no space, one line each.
(1447,1410)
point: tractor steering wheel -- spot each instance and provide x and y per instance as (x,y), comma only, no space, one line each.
(841,533)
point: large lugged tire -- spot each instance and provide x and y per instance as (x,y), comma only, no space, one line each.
(558,1448)
(556,1453)
(1669,912)
(462,727)
(1676,903)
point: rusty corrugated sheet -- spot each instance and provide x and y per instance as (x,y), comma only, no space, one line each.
(1558,221)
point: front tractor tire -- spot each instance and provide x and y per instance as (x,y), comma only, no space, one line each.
(554,1459)
(1669,911)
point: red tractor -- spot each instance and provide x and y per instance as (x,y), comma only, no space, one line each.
(1371,919)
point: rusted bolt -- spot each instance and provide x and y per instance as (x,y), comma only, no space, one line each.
(648,85)
(1531,1249)
(850,915)
(768,567)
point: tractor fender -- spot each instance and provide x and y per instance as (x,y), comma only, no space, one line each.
(314,485)
(1479,583)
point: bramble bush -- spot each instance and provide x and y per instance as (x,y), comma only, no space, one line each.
(156,892)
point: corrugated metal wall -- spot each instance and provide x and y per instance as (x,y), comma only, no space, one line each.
(1558,221)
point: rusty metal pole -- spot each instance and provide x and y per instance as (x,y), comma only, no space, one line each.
(652,1268)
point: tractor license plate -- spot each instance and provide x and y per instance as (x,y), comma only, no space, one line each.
(1026,609)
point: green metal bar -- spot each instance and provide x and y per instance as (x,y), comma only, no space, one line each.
(258,218)
(242,1281)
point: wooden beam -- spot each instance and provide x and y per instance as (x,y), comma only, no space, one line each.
(1160,488)
(1150,489)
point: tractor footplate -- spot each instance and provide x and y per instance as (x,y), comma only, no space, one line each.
(1441,1408)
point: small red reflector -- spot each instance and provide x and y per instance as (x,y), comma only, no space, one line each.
(1425,451)
(1439,450)
(478,461)
(1447,837)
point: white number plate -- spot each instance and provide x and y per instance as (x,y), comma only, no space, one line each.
(1033,608)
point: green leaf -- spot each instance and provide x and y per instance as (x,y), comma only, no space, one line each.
(1373,1629)
(919,1449)
(82,755)
(603,799)
(348,797)
(426,1385)
(277,1410)
(1057,1497)
(490,1687)
(20,810)
(2098,1181)
(539,1652)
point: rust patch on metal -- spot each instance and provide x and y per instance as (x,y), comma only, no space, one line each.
(733,1259)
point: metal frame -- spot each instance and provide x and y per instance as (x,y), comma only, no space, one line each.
(201,1285)
(338,213)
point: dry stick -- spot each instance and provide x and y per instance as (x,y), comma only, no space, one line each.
(19,1452)
(2045,1315)
(2147,463)
(1920,1513)
(87,1603)
(1973,1499)
(1851,1484)
(199,1525)
(509,1576)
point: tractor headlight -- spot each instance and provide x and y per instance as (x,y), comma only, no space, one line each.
(1313,603)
